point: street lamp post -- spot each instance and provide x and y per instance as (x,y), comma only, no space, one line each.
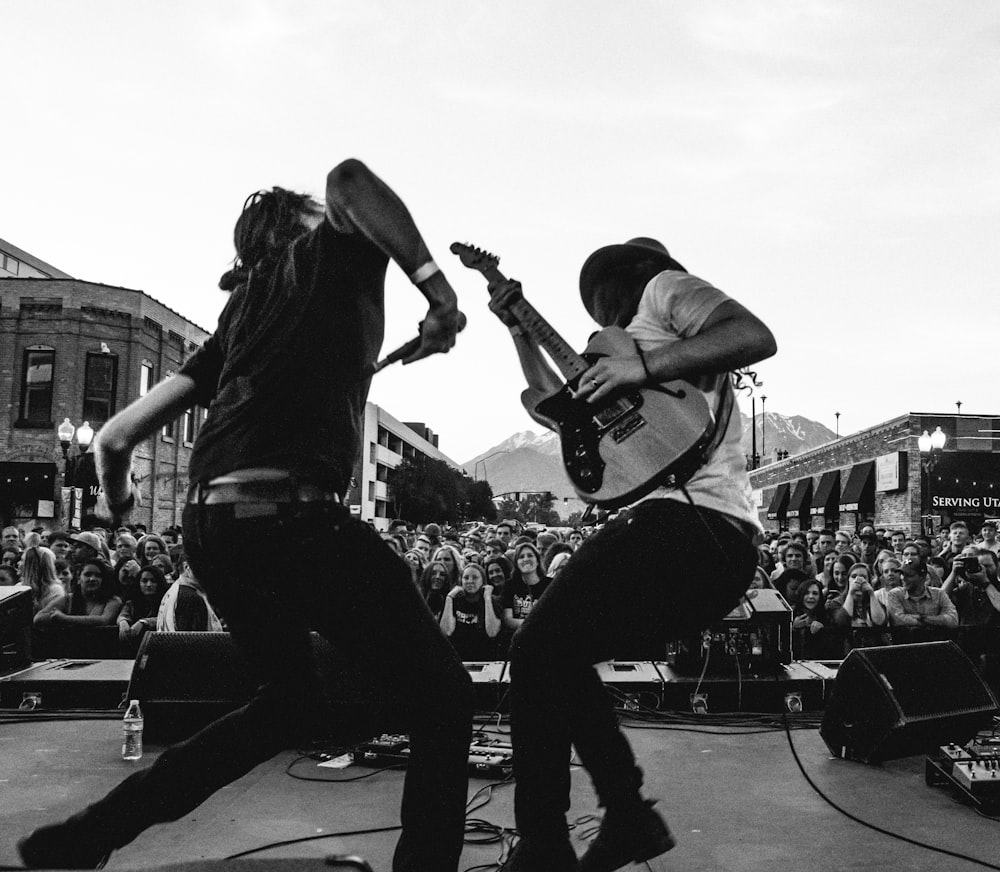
(837,416)
(931,446)
(763,425)
(84,437)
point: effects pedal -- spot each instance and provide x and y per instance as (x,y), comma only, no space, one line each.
(972,771)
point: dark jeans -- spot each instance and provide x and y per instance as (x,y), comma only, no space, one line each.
(663,572)
(331,573)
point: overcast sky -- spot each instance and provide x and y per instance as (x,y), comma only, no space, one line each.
(832,165)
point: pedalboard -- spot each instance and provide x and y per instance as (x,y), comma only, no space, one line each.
(488,758)
(972,771)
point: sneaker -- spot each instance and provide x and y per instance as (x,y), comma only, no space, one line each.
(628,837)
(61,846)
(533,856)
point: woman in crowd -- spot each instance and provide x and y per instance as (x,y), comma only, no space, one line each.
(93,604)
(415,560)
(139,612)
(808,617)
(39,573)
(841,569)
(825,576)
(452,559)
(434,586)
(526,585)
(469,619)
(557,563)
(148,547)
(858,606)
(10,557)
(64,573)
(550,553)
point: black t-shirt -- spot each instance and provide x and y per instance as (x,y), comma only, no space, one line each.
(281,376)
(470,639)
(520,597)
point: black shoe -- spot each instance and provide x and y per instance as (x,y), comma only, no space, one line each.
(536,856)
(628,837)
(62,846)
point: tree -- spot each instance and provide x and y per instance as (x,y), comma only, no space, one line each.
(479,499)
(424,489)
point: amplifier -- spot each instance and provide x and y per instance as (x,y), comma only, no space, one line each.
(754,638)
(489,683)
(68,684)
(638,683)
(15,627)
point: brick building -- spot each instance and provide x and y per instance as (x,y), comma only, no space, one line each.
(879,476)
(82,350)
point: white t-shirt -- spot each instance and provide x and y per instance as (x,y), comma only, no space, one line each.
(674,306)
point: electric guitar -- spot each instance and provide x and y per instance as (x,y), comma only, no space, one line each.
(620,449)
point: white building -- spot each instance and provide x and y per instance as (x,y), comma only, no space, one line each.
(386,443)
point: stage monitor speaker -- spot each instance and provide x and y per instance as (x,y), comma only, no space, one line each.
(184,681)
(900,700)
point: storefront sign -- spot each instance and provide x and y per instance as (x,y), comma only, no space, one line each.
(890,470)
(977,503)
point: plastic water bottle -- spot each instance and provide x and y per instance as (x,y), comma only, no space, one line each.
(132,732)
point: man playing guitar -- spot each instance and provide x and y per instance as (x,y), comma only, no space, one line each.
(610,592)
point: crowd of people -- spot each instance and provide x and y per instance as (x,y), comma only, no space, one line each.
(480,583)
(96,592)
(879,586)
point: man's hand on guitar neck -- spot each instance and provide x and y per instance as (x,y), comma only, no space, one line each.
(503,295)
(610,375)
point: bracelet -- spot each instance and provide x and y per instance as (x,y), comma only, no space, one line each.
(424,272)
(645,367)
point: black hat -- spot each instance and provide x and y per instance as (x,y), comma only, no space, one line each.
(646,257)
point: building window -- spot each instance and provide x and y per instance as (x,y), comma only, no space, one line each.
(170,429)
(189,427)
(371,492)
(36,386)
(11,264)
(99,383)
(145,378)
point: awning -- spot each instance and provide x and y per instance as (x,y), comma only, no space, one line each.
(827,495)
(860,488)
(27,481)
(779,503)
(801,496)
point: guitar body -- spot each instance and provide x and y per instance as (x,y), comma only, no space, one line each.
(619,450)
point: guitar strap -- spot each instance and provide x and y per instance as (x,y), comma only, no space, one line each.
(723,413)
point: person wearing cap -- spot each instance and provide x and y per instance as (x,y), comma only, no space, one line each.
(87,545)
(284,380)
(683,328)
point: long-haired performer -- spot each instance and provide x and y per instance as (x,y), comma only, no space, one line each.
(697,531)
(285,378)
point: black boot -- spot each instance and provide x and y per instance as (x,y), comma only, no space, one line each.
(63,846)
(629,834)
(534,855)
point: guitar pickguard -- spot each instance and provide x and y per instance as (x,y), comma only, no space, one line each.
(579,439)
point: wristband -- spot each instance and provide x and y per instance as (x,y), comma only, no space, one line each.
(424,272)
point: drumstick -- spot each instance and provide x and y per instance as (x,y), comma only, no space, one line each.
(406,350)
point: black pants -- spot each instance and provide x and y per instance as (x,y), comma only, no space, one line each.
(328,572)
(666,570)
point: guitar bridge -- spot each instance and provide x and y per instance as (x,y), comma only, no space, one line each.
(627,428)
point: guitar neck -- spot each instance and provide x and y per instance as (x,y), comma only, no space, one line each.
(570,363)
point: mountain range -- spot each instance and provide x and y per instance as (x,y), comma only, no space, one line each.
(527,461)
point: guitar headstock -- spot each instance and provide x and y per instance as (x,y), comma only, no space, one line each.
(474,258)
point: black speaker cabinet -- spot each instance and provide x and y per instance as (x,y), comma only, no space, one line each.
(900,700)
(184,681)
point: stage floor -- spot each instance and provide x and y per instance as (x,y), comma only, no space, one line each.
(735,800)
